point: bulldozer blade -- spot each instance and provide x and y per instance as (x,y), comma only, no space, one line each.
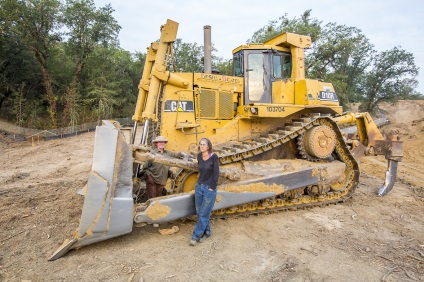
(390,178)
(63,249)
(108,206)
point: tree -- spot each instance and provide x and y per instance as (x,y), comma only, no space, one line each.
(36,23)
(304,25)
(408,91)
(389,77)
(223,66)
(20,80)
(88,27)
(340,55)
(110,81)
(63,60)
(16,65)
(188,56)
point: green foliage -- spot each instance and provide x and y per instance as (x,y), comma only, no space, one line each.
(88,27)
(37,25)
(303,25)
(188,56)
(110,81)
(20,77)
(74,67)
(389,77)
(408,92)
(224,67)
(340,55)
(55,68)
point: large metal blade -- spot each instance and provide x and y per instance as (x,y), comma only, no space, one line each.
(108,205)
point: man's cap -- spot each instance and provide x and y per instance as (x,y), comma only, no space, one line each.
(160,139)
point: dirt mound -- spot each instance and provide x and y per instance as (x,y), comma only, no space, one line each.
(368,238)
(406,117)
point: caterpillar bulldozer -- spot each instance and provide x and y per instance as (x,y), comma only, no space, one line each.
(282,140)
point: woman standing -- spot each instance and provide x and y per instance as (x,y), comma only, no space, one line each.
(205,191)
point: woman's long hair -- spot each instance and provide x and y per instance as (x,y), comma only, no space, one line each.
(209,143)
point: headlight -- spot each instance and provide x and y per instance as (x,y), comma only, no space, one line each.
(254,111)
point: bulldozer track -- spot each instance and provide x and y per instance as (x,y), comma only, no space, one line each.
(277,208)
(295,199)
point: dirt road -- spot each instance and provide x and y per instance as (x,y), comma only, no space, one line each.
(368,238)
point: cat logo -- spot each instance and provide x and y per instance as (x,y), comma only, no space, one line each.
(178,106)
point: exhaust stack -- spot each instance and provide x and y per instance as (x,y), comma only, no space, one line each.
(207,60)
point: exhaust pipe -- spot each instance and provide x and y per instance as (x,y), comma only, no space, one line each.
(207,60)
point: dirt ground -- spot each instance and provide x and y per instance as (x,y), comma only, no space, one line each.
(368,238)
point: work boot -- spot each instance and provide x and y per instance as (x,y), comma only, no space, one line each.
(204,238)
(193,242)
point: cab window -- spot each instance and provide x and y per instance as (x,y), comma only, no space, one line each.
(287,66)
(277,64)
(238,64)
(256,84)
(281,65)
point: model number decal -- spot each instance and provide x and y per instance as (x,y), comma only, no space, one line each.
(274,109)
(327,96)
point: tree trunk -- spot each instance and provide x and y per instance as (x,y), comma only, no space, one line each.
(47,81)
(69,113)
(50,95)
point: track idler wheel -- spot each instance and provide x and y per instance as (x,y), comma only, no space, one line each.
(319,142)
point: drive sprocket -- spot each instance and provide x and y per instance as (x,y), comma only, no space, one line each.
(317,143)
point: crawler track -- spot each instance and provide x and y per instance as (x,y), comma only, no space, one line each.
(304,197)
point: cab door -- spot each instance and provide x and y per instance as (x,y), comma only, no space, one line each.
(257,77)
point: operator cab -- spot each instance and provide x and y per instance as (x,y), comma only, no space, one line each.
(260,68)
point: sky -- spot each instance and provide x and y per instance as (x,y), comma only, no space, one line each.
(386,23)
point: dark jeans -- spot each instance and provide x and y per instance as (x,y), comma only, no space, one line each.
(153,189)
(204,201)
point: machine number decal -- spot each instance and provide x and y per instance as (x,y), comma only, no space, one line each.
(274,109)
(178,106)
(328,96)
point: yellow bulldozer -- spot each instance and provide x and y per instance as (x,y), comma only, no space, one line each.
(282,140)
